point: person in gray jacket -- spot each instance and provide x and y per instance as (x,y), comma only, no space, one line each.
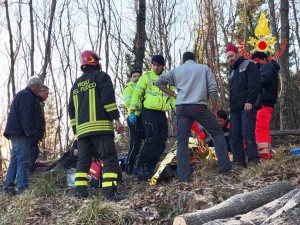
(194,83)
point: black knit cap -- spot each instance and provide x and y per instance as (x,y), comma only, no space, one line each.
(259,55)
(159,59)
(136,70)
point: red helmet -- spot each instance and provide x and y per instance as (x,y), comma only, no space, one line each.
(88,57)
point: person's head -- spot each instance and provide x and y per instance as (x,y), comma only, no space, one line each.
(188,56)
(257,56)
(44,92)
(89,60)
(222,117)
(158,63)
(232,53)
(135,74)
(34,83)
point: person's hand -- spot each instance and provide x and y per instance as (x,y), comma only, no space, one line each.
(132,118)
(119,126)
(96,157)
(248,107)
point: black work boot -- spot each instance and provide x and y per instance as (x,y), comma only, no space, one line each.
(110,194)
(81,192)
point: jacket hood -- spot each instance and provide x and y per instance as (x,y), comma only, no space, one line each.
(275,64)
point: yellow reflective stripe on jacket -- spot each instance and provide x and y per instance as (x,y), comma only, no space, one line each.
(75,99)
(73,122)
(110,175)
(92,104)
(81,183)
(111,107)
(99,123)
(81,175)
(109,184)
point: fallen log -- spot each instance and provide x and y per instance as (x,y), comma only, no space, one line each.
(238,204)
(285,132)
(262,214)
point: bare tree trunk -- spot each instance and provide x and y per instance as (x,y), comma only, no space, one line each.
(48,43)
(140,35)
(32,39)
(284,63)
(11,79)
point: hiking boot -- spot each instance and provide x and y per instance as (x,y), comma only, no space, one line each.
(81,192)
(141,173)
(9,191)
(115,198)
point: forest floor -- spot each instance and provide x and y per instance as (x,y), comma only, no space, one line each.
(49,201)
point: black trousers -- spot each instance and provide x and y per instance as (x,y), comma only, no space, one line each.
(156,134)
(105,146)
(136,138)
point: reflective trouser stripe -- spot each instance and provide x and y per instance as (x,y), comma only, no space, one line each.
(109,184)
(264,151)
(81,179)
(110,175)
(262,145)
(81,183)
(81,175)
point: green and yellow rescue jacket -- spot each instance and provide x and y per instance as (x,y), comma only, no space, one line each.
(92,104)
(127,95)
(149,95)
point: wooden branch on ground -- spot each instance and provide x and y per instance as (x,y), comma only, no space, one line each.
(264,213)
(285,132)
(236,205)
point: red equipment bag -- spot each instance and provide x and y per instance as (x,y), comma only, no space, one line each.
(96,170)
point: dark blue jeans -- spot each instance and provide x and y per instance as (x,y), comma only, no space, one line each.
(242,127)
(186,115)
(19,162)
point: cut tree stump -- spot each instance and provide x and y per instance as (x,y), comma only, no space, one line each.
(264,213)
(236,205)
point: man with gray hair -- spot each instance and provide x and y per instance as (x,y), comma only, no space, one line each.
(19,130)
(194,83)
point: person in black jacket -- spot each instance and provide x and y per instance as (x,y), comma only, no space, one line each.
(92,109)
(40,125)
(245,86)
(268,97)
(20,130)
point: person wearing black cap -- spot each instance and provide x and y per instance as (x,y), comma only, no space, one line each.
(136,131)
(155,104)
(245,86)
(194,82)
(268,97)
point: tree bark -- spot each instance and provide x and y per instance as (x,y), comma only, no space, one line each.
(48,43)
(284,64)
(262,214)
(238,204)
(140,35)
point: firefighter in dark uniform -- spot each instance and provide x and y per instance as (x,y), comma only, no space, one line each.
(92,109)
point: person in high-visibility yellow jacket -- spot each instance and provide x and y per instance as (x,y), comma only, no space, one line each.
(136,131)
(155,104)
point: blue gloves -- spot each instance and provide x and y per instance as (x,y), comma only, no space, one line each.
(132,118)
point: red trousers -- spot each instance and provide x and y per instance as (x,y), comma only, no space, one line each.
(262,132)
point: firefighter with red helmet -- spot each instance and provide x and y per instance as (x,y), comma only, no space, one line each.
(92,110)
